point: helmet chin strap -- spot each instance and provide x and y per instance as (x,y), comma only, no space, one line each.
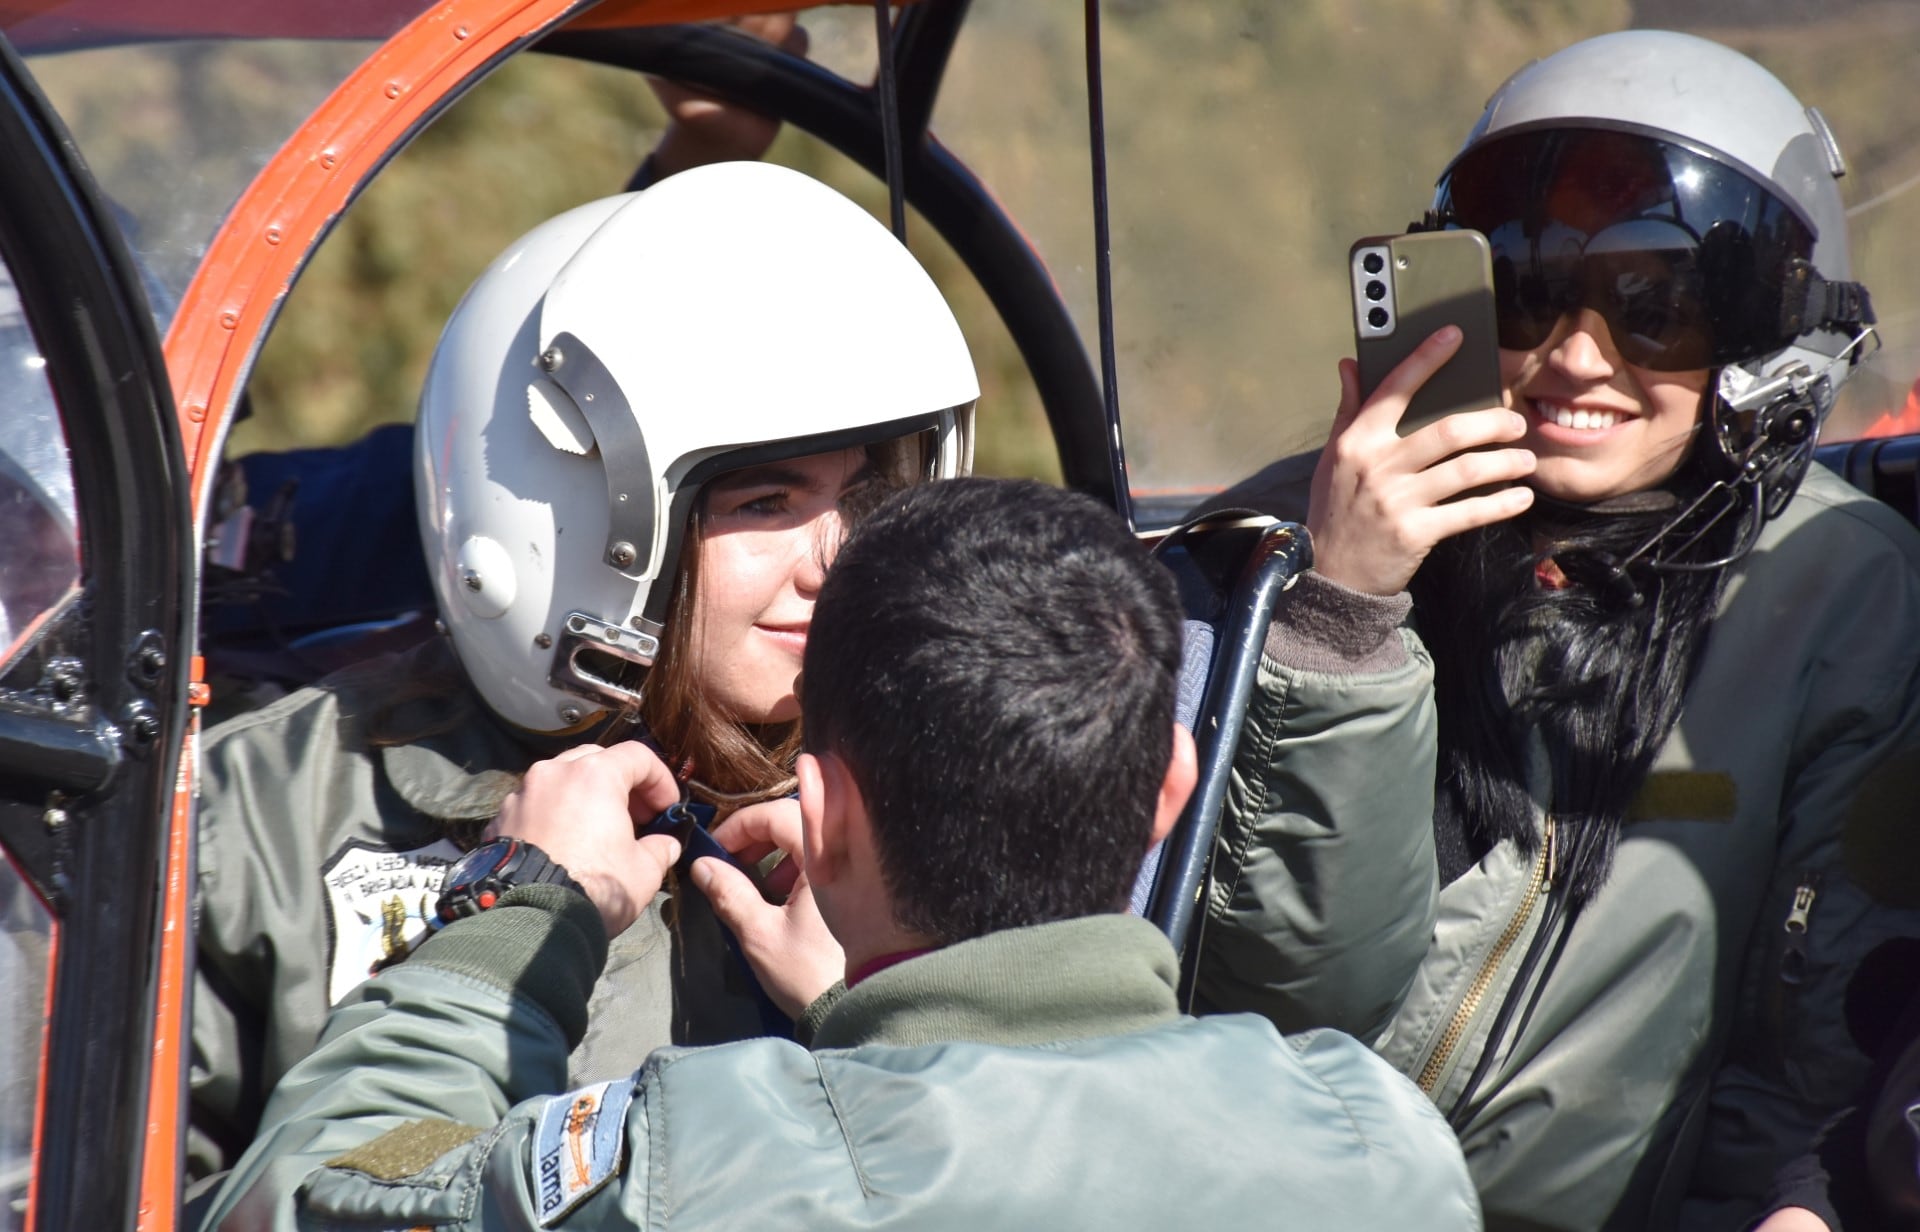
(1760,439)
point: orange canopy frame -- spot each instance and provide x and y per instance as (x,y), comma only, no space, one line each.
(247,271)
(49,25)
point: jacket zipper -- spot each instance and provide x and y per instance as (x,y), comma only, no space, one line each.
(1790,966)
(1543,869)
(1793,958)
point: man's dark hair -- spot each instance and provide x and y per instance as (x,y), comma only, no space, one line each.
(994,662)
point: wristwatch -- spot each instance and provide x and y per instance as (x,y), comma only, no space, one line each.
(490,870)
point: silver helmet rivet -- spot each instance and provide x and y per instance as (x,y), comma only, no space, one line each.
(621,554)
(471,578)
(543,640)
(569,715)
(550,358)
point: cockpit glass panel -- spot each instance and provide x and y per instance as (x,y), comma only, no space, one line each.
(175,131)
(39,526)
(26,933)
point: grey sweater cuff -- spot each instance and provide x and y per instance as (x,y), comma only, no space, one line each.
(815,1014)
(1322,626)
(544,942)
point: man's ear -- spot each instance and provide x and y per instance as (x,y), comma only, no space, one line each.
(1183,770)
(830,803)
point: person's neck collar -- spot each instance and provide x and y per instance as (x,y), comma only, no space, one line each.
(857,972)
(1071,979)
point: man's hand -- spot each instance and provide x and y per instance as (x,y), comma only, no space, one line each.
(704,129)
(789,947)
(580,807)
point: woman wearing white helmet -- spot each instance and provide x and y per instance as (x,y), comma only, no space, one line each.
(1675,668)
(642,435)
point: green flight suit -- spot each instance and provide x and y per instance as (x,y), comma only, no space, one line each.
(322,847)
(1692,1034)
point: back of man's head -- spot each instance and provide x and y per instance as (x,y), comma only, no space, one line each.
(994,662)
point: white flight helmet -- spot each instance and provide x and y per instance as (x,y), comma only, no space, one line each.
(1681,190)
(613,360)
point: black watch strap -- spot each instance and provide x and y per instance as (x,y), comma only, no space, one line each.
(489,871)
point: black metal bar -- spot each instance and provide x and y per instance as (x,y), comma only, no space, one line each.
(886,90)
(88,314)
(1282,551)
(946,194)
(1103,265)
(924,39)
(39,753)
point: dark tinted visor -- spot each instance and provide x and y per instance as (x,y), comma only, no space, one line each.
(1686,258)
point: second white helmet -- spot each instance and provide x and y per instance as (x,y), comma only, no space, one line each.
(613,360)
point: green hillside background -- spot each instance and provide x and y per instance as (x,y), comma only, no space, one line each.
(1252,141)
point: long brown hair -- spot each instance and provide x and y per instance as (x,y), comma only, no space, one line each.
(720,758)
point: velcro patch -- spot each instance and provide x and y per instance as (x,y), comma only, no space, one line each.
(1877,838)
(402,1152)
(1685,795)
(581,1144)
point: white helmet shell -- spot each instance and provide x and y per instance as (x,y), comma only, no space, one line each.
(1700,92)
(616,357)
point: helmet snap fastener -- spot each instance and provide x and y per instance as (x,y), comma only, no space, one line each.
(487,577)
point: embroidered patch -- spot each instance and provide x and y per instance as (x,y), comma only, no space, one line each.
(580,1145)
(378,904)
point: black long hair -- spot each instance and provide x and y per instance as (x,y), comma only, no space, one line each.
(1597,668)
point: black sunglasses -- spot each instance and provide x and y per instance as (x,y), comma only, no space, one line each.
(1691,262)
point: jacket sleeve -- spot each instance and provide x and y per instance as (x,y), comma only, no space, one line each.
(1837,922)
(400,1116)
(1324,884)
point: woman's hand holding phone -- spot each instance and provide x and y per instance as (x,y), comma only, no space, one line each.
(1381,501)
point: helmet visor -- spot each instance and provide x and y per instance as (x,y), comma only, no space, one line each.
(1687,259)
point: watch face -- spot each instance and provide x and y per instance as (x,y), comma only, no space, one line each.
(482,861)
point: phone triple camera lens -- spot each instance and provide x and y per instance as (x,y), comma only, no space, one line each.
(1377,317)
(1373,263)
(1376,290)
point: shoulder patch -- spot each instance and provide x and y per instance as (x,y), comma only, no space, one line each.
(580,1145)
(378,902)
(402,1152)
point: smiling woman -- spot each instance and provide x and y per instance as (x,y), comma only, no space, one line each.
(722,692)
(1650,789)
(1597,426)
(627,525)
(767,534)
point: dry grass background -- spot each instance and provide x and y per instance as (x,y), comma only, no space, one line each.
(1251,140)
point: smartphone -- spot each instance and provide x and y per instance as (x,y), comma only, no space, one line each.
(1407,286)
